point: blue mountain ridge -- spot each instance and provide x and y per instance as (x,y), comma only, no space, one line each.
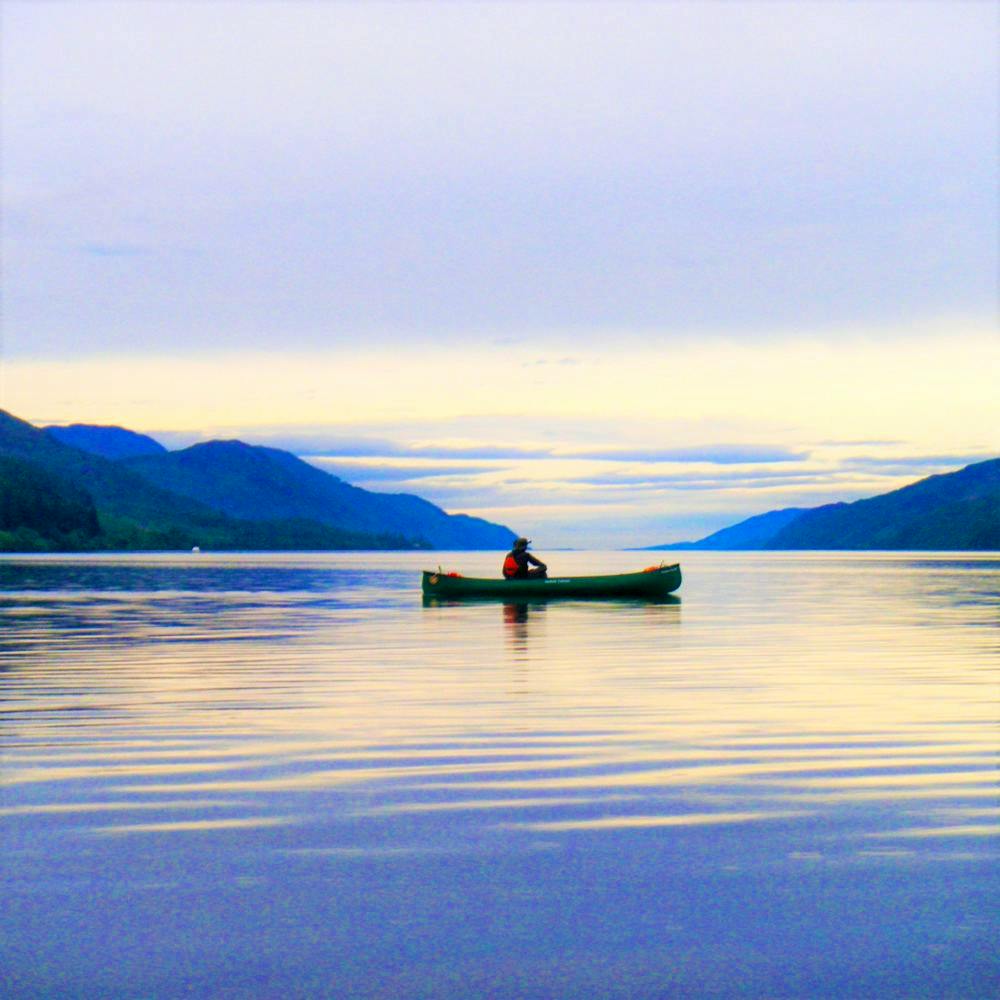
(753,533)
(222,495)
(252,482)
(953,511)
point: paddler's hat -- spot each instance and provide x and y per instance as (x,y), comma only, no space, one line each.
(522,543)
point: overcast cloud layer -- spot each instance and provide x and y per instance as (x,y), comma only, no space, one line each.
(237,173)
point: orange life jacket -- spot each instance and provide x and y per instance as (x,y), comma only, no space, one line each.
(510,566)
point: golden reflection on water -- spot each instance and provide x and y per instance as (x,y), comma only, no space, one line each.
(886,793)
(637,822)
(191,826)
(819,682)
(461,805)
(968,830)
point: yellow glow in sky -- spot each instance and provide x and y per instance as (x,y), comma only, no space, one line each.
(935,390)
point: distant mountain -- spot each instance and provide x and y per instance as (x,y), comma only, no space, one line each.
(253,483)
(952,511)
(133,513)
(955,510)
(753,533)
(221,495)
(110,442)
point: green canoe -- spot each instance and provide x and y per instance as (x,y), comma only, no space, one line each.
(657,581)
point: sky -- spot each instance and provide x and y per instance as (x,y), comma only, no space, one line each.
(611,274)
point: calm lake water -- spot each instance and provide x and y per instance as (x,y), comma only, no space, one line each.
(284,776)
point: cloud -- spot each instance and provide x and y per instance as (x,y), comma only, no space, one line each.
(894,464)
(363,472)
(697,479)
(320,446)
(323,447)
(450,173)
(721,454)
(711,454)
(330,449)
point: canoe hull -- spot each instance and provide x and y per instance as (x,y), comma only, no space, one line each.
(649,584)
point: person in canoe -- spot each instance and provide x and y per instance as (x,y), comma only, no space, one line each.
(518,562)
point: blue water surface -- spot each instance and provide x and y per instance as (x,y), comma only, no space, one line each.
(287,776)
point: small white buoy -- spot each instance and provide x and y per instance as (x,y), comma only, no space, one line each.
(196,549)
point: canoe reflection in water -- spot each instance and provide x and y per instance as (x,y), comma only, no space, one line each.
(516,612)
(516,615)
(524,622)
